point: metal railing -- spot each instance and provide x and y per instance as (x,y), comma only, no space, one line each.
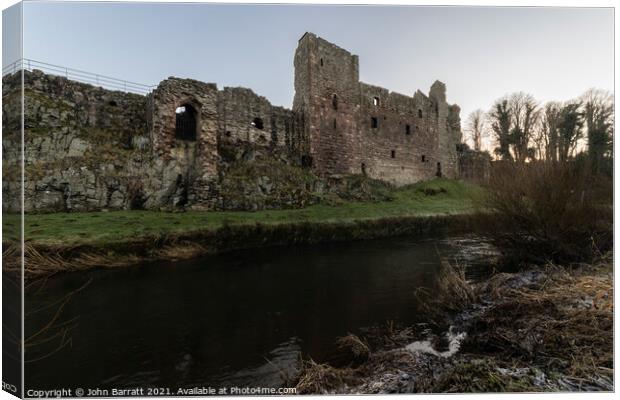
(103,81)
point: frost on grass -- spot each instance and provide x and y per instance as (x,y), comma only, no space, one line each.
(426,347)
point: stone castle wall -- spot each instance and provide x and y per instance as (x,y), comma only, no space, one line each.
(327,95)
(353,127)
(475,166)
(88,148)
(78,140)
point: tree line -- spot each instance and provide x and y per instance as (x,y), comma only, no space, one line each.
(522,129)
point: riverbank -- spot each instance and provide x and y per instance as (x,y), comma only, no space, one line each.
(548,329)
(76,241)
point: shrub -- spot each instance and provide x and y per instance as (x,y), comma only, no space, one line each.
(540,212)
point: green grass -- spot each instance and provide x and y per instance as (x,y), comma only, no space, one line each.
(99,228)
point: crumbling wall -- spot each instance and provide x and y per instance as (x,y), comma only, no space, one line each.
(448,129)
(353,127)
(79,143)
(244,118)
(475,166)
(399,136)
(186,170)
(11,143)
(88,148)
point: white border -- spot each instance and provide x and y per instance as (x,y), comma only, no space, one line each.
(483,3)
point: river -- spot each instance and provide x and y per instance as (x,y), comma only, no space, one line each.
(235,319)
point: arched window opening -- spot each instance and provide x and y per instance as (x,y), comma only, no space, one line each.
(420,113)
(375,101)
(364,169)
(185,123)
(335,102)
(439,174)
(257,123)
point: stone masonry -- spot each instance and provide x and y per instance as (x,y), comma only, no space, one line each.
(353,127)
(88,148)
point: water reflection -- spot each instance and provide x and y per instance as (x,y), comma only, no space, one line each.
(233,319)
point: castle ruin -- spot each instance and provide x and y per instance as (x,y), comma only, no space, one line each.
(89,148)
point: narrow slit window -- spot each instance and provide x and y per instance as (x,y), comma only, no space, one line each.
(407,130)
(374,123)
(423,158)
(375,101)
(420,113)
(393,154)
(335,102)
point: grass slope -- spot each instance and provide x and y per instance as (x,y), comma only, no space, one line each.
(436,197)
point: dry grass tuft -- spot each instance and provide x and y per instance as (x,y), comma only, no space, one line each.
(352,350)
(42,262)
(353,343)
(37,264)
(453,292)
(322,378)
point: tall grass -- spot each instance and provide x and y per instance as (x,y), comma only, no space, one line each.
(542,212)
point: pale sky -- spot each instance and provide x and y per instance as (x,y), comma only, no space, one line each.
(481,53)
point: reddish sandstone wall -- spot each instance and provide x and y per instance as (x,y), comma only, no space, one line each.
(327,95)
(353,127)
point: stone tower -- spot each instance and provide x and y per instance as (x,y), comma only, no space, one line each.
(327,99)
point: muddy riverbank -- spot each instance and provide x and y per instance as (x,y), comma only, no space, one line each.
(545,329)
(44,259)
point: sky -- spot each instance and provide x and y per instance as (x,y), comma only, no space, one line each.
(480,53)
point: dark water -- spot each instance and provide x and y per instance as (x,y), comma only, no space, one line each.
(236,319)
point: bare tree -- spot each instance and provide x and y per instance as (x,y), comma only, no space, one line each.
(475,128)
(547,138)
(598,110)
(524,112)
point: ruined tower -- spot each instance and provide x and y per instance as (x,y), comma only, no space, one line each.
(327,99)
(351,127)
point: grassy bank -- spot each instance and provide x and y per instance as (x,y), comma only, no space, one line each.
(125,237)
(437,197)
